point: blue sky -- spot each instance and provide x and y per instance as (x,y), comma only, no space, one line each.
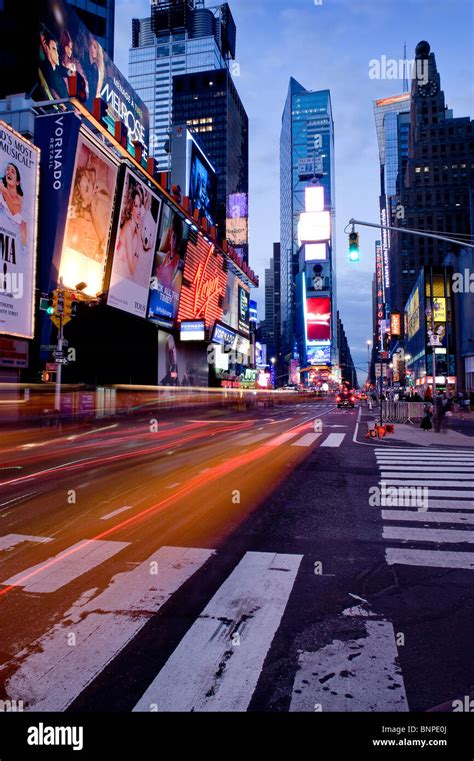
(330,45)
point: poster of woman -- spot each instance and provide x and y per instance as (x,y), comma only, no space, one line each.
(18,219)
(167,275)
(134,247)
(88,219)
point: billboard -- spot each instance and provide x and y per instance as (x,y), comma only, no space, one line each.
(243,305)
(192,331)
(134,247)
(395,324)
(318,354)
(88,218)
(168,266)
(413,313)
(202,184)
(67,48)
(237,219)
(204,282)
(19,170)
(318,318)
(180,365)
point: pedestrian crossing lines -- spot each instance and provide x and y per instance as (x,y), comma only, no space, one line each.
(219,660)
(428,499)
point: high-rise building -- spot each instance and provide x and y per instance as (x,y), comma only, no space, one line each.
(209,104)
(99,17)
(270,327)
(179,37)
(348,371)
(434,193)
(392,125)
(306,157)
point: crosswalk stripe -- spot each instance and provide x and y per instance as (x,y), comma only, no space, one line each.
(243,440)
(334,440)
(66,566)
(449,504)
(441,536)
(422,474)
(281,439)
(430,558)
(218,662)
(115,512)
(306,440)
(358,674)
(432,482)
(11,540)
(56,672)
(427,517)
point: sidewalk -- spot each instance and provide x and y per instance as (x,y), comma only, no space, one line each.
(413,434)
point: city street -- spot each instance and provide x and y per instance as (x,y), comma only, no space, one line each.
(234,561)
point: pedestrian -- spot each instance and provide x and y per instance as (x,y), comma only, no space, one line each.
(426,424)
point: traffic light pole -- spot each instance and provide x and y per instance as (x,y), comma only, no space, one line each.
(59,367)
(409,231)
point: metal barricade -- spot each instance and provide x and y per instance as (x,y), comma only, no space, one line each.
(402,412)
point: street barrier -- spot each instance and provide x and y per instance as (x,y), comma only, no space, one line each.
(402,412)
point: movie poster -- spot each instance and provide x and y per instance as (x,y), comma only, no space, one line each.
(134,247)
(180,365)
(89,218)
(19,162)
(167,275)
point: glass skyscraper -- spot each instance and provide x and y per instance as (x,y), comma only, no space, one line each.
(179,37)
(307,135)
(99,17)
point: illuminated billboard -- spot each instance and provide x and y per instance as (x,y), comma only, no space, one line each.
(315,252)
(237,219)
(204,282)
(318,318)
(134,247)
(19,169)
(193,330)
(88,219)
(395,324)
(167,274)
(314,227)
(180,365)
(202,184)
(318,354)
(413,313)
(243,309)
(67,48)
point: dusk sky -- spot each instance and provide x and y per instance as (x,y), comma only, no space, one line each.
(330,45)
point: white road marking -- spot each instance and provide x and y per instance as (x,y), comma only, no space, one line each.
(116,512)
(334,440)
(360,674)
(55,673)
(432,482)
(306,440)
(449,504)
(441,536)
(212,669)
(427,517)
(281,439)
(10,540)
(245,440)
(423,474)
(430,558)
(61,569)
(173,486)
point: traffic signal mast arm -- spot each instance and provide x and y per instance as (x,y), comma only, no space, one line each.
(410,232)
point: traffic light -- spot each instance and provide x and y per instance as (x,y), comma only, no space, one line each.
(354,254)
(70,305)
(58,302)
(50,309)
(45,376)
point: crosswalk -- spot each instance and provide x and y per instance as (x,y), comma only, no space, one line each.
(295,439)
(427,506)
(219,660)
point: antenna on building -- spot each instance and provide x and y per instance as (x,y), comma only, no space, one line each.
(199,4)
(405,77)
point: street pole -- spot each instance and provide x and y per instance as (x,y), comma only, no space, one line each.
(59,366)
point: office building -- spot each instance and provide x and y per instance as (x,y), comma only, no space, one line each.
(346,363)
(179,37)
(434,193)
(270,327)
(306,158)
(99,18)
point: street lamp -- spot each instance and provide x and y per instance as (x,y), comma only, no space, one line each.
(369,344)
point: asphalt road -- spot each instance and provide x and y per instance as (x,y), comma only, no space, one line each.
(231,561)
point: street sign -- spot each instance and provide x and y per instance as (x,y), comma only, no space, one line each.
(58,354)
(61,361)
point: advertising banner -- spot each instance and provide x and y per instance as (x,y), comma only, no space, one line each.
(395,324)
(167,274)
(318,318)
(19,176)
(318,354)
(224,336)
(202,184)
(89,219)
(237,219)
(66,48)
(56,135)
(204,282)
(192,331)
(13,353)
(134,247)
(180,365)
(244,309)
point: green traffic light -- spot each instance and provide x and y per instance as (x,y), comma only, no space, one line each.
(50,310)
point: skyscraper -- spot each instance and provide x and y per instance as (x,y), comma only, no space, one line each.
(306,155)
(179,37)
(434,193)
(270,329)
(99,17)
(209,104)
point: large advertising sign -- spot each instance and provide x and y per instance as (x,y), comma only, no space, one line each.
(19,170)
(202,184)
(167,274)
(180,365)
(379,290)
(318,354)
(56,135)
(204,282)
(413,313)
(237,219)
(89,219)
(134,247)
(67,48)
(244,309)
(13,353)
(318,318)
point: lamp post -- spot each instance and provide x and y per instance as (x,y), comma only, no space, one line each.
(369,344)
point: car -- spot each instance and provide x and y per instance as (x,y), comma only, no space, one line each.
(345,399)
